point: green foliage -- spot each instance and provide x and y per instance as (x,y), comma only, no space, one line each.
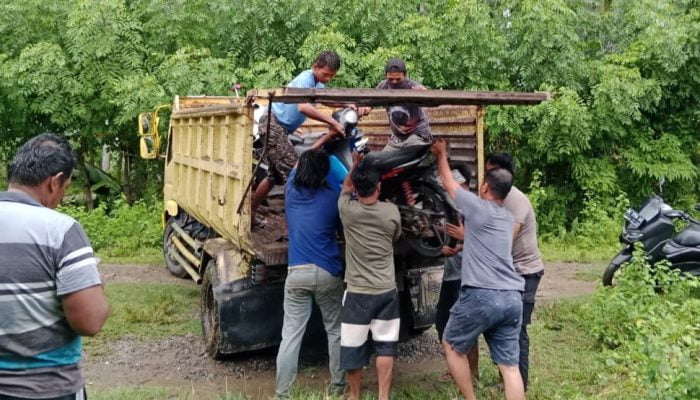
(648,325)
(624,75)
(146,310)
(122,231)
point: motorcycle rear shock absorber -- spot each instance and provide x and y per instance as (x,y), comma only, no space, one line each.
(408,192)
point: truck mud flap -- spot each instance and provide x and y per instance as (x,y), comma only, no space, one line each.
(423,288)
(251,317)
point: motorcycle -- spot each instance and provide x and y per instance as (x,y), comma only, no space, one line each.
(409,180)
(653,226)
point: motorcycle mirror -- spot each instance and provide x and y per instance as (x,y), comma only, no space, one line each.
(662,180)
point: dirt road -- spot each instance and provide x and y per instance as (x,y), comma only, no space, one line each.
(180,362)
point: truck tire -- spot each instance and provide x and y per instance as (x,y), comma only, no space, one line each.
(209,310)
(173,266)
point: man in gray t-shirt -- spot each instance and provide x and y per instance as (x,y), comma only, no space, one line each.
(51,289)
(526,254)
(490,299)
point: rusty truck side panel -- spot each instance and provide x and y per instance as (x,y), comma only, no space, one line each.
(208,166)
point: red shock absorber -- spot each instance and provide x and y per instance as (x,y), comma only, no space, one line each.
(408,192)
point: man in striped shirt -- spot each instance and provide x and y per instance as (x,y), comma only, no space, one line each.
(50,289)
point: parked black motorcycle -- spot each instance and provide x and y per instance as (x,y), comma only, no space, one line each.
(653,225)
(409,180)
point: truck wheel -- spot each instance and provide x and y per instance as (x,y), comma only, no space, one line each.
(173,266)
(211,320)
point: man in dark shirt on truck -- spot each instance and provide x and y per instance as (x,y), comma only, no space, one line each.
(408,122)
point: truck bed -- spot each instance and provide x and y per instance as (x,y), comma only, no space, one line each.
(270,241)
(457,124)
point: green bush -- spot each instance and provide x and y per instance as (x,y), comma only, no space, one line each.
(647,324)
(123,230)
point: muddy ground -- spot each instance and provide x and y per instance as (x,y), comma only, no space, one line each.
(181,363)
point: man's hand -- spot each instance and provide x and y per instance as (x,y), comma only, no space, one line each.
(364,111)
(337,129)
(456,231)
(450,251)
(439,148)
(357,158)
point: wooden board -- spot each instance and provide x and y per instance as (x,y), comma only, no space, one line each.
(380,97)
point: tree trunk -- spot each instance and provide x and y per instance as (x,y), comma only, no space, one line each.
(105,158)
(128,187)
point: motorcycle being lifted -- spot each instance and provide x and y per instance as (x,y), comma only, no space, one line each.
(409,180)
(653,226)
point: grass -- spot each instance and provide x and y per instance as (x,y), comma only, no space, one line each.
(147,310)
(592,273)
(565,359)
(558,251)
(147,256)
(157,393)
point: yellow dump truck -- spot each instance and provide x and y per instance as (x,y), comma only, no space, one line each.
(209,164)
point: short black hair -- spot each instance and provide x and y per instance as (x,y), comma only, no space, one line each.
(365,179)
(40,158)
(328,58)
(312,169)
(500,181)
(395,65)
(501,160)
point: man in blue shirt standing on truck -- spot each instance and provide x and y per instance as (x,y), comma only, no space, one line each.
(286,118)
(315,267)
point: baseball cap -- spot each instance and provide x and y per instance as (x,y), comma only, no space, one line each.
(395,65)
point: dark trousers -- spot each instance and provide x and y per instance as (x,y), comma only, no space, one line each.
(532,281)
(449,293)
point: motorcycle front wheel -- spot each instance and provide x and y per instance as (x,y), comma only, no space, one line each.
(430,245)
(625,255)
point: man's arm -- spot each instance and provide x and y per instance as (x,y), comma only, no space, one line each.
(439,149)
(310,111)
(324,139)
(86,310)
(347,183)
(78,283)
(516,229)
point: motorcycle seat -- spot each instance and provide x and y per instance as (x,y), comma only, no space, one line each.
(689,237)
(386,160)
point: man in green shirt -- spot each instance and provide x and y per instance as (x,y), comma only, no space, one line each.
(371,301)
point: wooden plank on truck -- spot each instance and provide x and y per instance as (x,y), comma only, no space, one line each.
(382,97)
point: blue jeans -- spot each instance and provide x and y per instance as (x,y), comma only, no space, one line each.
(495,313)
(304,284)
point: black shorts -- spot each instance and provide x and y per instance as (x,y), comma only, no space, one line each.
(363,314)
